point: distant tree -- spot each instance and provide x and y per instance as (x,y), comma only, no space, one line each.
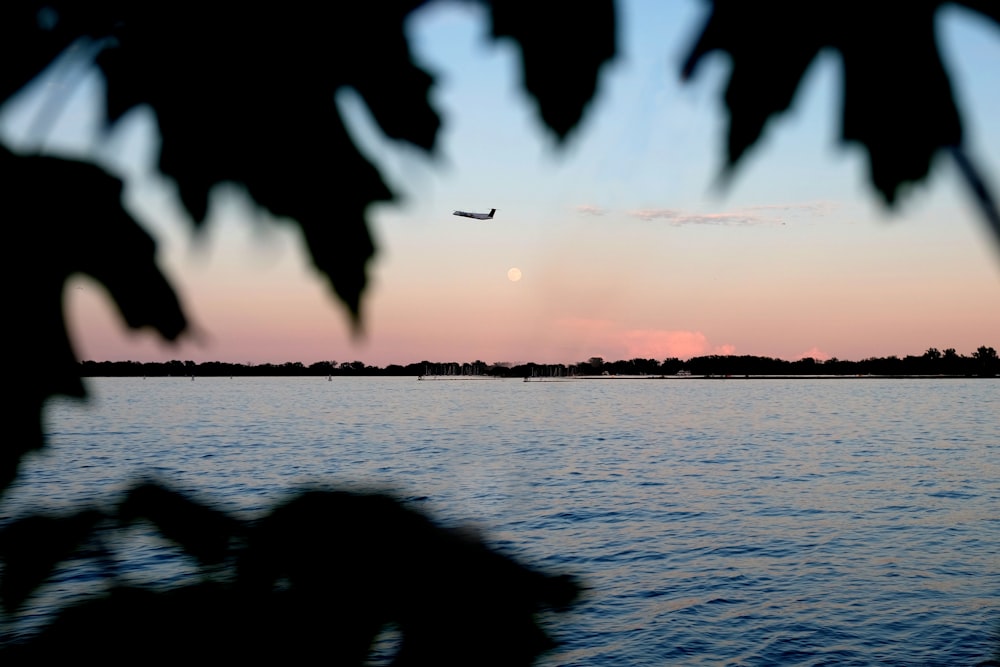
(984,353)
(671,365)
(988,363)
(499,368)
(323,367)
(835,366)
(415,369)
(950,362)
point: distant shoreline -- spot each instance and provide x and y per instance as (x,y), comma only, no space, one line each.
(984,362)
(772,377)
(578,378)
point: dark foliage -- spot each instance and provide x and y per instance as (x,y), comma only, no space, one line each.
(243,93)
(319,577)
(44,198)
(897,98)
(31,549)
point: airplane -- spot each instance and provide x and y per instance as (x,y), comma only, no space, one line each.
(477,216)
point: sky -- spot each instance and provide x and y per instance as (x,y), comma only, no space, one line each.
(624,245)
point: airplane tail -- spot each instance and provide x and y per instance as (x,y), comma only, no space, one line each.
(492,211)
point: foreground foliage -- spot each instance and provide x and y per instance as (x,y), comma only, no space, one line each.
(322,575)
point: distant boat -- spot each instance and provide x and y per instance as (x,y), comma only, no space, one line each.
(683,373)
(454,372)
(550,379)
(457,377)
(551,374)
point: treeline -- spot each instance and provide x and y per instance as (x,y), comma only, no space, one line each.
(982,362)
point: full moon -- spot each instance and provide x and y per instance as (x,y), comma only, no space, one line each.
(514,274)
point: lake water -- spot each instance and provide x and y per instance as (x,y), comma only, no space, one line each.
(744,522)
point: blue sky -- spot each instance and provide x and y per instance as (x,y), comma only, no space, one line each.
(625,246)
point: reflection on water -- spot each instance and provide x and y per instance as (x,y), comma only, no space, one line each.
(747,522)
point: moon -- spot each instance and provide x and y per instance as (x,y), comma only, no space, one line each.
(514,274)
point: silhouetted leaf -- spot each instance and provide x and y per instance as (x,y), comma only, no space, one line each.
(33,33)
(898,101)
(766,66)
(987,204)
(361,560)
(203,532)
(318,578)
(246,94)
(201,624)
(30,549)
(66,218)
(988,8)
(564,46)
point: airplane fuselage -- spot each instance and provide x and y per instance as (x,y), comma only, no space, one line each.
(477,216)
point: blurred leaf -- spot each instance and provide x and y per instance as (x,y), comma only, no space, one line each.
(766,66)
(319,577)
(201,531)
(66,218)
(898,101)
(30,549)
(974,180)
(33,33)
(245,93)
(203,624)
(988,8)
(361,560)
(564,46)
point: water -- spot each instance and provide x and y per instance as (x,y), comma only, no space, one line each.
(744,522)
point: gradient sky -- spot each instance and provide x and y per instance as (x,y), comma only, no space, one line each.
(625,247)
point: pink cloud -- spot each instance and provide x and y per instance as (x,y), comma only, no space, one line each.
(815,353)
(767,214)
(722,219)
(590,209)
(647,344)
(724,350)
